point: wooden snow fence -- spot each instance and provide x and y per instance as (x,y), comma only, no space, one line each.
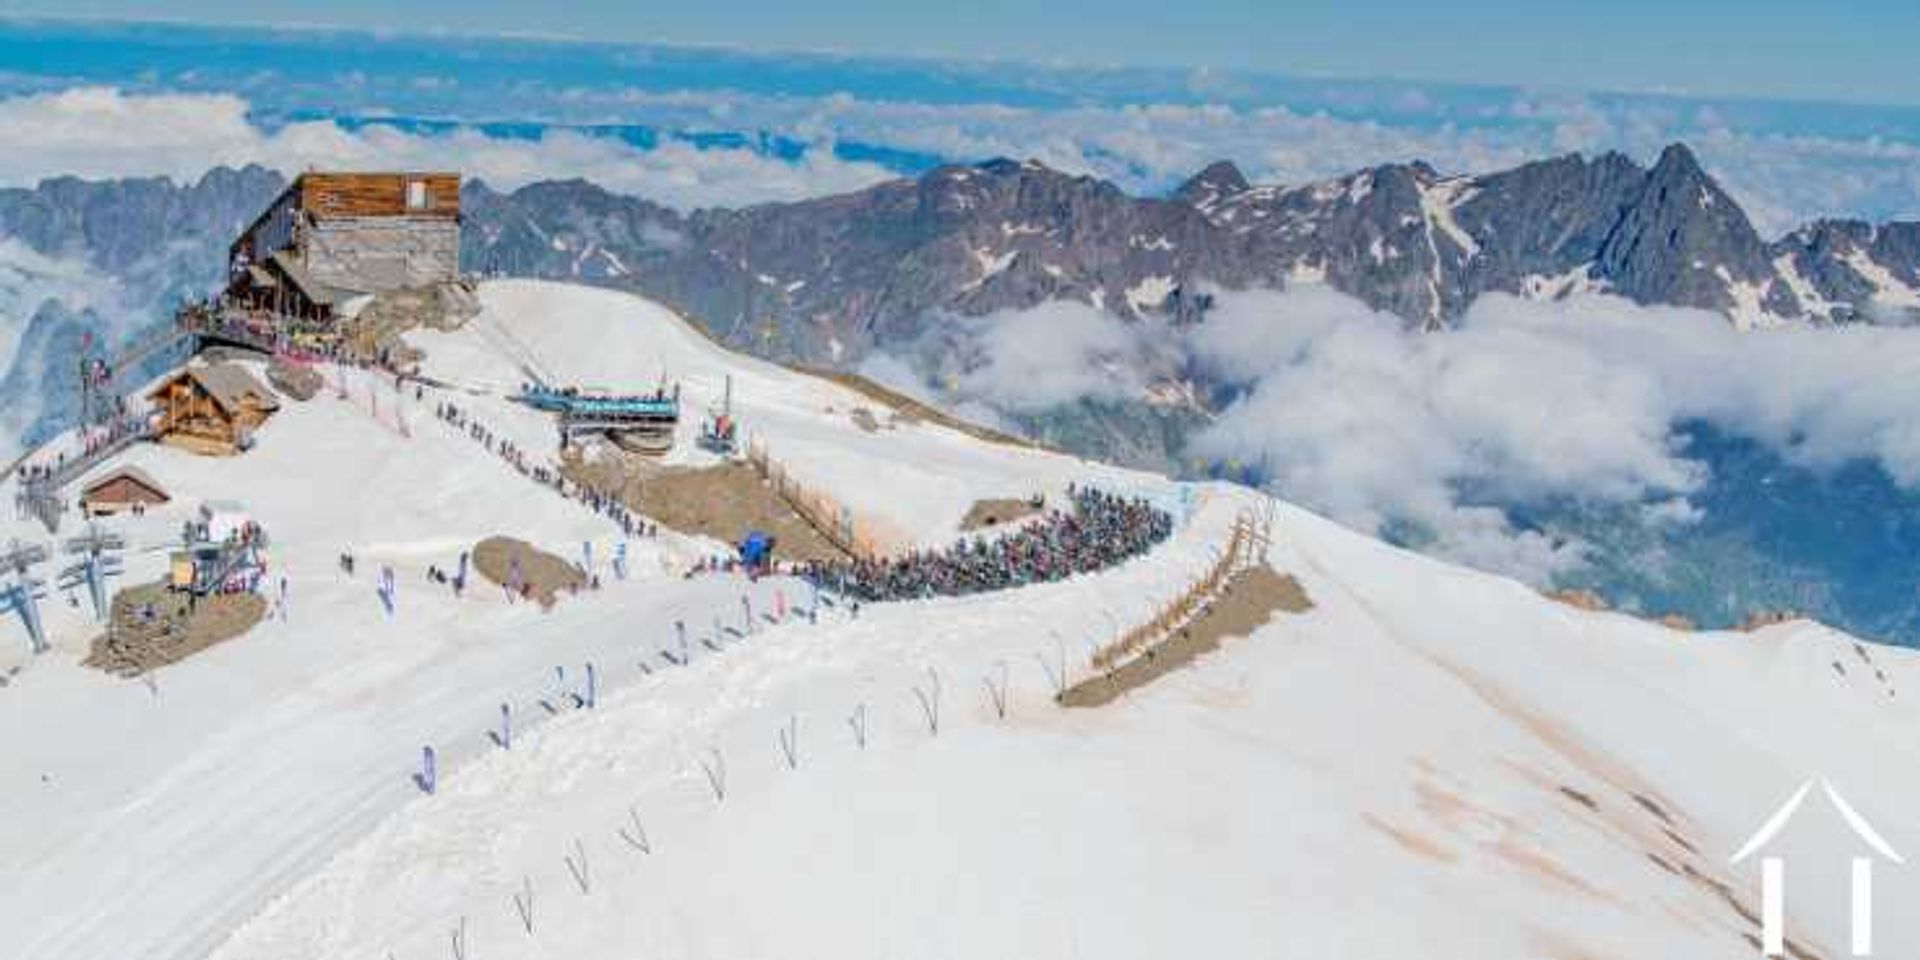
(1246,547)
(833,519)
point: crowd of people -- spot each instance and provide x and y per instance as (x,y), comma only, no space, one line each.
(1099,530)
(516,457)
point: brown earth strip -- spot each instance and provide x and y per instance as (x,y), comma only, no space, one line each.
(176,630)
(724,501)
(911,410)
(542,574)
(986,514)
(1248,601)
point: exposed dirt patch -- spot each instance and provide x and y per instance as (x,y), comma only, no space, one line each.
(1248,601)
(724,501)
(541,575)
(987,514)
(153,626)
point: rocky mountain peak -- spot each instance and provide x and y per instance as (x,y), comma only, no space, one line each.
(1685,241)
(1218,180)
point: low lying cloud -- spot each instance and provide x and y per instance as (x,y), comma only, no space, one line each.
(1387,430)
(99,133)
(1527,401)
(1782,179)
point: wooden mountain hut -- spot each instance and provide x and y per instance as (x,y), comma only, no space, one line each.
(121,490)
(211,408)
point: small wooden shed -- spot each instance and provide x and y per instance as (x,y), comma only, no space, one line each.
(211,408)
(121,490)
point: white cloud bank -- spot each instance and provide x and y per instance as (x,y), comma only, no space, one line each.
(1579,399)
(1379,427)
(97,132)
(1781,180)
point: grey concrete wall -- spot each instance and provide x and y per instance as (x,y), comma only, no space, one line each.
(376,254)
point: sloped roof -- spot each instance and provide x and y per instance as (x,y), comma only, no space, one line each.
(134,474)
(312,289)
(229,384)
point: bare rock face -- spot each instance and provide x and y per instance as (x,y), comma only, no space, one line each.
(827,280)
(294,381)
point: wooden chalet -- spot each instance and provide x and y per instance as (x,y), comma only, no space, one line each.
(120,490)
(331,237)
(211,408)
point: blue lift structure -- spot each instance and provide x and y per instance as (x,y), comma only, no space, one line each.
(22,592)
(99,558)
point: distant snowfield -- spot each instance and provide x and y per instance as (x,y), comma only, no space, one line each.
(1431,762)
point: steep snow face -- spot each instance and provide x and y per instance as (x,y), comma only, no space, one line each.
(1888,290)
(1438,201)
(1428,757)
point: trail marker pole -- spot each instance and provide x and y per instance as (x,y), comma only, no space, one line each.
(929,698)
(523,902)
(637,837)
(790,741)
(858,721)
(426,778)
(716,773)
(577,865)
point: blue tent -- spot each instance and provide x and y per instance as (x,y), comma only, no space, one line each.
(756,551)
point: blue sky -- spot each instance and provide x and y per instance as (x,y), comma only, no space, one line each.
(694,125)
(1854,50)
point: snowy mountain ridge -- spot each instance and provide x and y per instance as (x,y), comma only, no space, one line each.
(1429,759)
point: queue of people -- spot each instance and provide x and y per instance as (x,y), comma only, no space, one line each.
(1100,530)
(604,504)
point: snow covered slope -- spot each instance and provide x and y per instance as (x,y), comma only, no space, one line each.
(1431,761)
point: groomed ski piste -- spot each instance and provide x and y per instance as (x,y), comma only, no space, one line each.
(1430,761)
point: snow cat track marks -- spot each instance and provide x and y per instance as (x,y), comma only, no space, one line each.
(1249,601)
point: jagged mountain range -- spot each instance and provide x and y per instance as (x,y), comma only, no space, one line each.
(827,281)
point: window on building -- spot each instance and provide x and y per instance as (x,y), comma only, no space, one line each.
(416,194)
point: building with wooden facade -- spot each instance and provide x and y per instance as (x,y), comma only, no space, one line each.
(121,490)
(330,237)
(211,408)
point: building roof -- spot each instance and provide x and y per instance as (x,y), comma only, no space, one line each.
(229,384)
(132,474)
(318,293)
